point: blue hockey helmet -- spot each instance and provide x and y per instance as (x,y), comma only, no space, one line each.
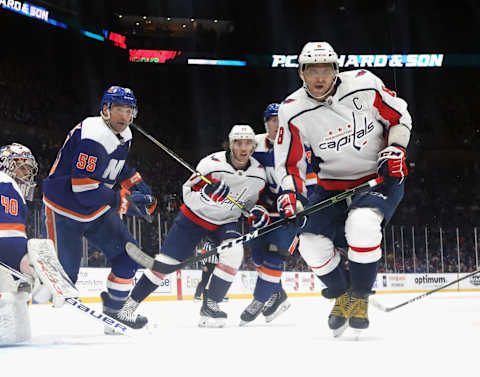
(271,111)
(121,96)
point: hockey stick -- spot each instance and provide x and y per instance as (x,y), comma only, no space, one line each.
(100,317)
(385,309)
(151,263)
(184,163)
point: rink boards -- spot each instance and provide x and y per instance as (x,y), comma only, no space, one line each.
(181,284)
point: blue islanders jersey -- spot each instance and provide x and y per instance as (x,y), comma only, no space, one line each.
(264,154)
(13,216)
(90,162)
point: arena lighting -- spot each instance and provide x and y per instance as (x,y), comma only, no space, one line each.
(237,63)
(152,56)
(365,61)
(92,35)
(117,39)
(30,10)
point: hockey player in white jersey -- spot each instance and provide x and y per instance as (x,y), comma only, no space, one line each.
(35,258)
(356,128)
(207,212)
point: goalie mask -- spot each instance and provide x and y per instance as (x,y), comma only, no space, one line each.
(318,53)
(18,162)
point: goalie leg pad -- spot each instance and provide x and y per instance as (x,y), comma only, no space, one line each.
(43,258)
(14,318)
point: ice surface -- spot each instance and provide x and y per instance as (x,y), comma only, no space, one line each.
(436,336)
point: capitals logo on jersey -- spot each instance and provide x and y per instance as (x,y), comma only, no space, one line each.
(350,134)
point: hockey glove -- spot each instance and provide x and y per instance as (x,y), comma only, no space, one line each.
(121,202)
(289,204)
(137,183)
(146,204)
(216,191)
(259,217)
(391,164)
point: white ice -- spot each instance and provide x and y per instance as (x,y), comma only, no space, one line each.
(435,336)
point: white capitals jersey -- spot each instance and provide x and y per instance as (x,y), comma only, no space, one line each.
(245,188)
(345,132)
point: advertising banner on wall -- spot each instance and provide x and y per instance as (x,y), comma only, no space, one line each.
(92,281)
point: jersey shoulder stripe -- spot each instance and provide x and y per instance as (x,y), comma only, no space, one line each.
(94,128)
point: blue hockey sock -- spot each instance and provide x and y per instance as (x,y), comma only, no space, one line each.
(362,276)
(336,281)
(218,288)
(264,289)
(118,290)
(143,289)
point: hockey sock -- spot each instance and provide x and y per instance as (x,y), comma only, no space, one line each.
(143,289)
(218,288)
(362,276)
(336,281)
(118,290)
(264,289)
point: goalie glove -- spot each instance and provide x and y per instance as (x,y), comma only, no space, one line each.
(259,217)
(391,164)
(215,192)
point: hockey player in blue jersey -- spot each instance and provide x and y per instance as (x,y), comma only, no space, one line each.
(80,200)
(18,169)
(270,251)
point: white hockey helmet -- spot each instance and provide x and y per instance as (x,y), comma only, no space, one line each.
(14,157)
(317,52)
(241,132)
(314,53)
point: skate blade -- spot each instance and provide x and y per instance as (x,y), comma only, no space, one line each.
(109,331)
(357,333)
(212,323)
(339,332)
(243,323)
(281,309)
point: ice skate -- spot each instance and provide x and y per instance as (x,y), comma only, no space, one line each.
(337,320)
(358,314)
(125,315)
(276,305)
(211,315)
(251,312)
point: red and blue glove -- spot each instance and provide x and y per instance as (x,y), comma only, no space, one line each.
(216,191)
(289,204)
(259,217)
(391,164)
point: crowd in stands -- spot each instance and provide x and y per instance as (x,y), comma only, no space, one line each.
(439,192)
